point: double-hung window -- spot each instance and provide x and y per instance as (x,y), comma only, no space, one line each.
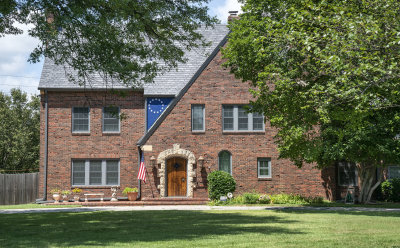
(235,118)
(80,120)
(198,120)
(347,173)
(95,172)
(111,120)
(264,167)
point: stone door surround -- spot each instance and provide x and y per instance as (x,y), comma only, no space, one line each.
(176,151)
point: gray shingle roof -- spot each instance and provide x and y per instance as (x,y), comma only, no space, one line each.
(169,84)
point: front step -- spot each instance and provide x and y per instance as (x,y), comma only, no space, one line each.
(175,199)
(144,202)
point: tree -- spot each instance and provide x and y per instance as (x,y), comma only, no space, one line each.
(128,41)
(19,132)
(326,75)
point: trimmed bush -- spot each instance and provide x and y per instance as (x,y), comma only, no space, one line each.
(391,190)
(220,183)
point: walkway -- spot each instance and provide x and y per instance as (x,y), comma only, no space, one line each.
(192,208)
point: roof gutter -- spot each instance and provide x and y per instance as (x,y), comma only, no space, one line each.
(46,145)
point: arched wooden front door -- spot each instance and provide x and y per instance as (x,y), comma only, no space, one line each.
(176,174)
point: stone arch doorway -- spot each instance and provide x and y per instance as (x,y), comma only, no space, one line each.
(179,155)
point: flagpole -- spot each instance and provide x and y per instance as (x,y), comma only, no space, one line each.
(139,181)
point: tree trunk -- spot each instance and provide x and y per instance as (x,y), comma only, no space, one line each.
(366,176)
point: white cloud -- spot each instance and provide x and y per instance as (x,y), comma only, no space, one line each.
(15,71)
(221,11)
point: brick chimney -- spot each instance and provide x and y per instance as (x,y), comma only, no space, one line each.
(233,15)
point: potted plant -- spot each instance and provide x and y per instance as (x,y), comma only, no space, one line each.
(132,193)
(76,192)
(56,195)
(65,194)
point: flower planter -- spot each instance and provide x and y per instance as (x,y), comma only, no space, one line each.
(57,197)
(65,198)
(76,198)
(132,196)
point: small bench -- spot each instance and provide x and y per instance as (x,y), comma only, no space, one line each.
(94,194)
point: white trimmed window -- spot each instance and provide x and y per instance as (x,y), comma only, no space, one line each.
(264,167)
(236,119)
(198,120)
(393,172)
(80,119)
(347,173)
(95,172)
(111,122)
(225,161)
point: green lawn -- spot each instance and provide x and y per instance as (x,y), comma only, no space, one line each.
(201,229)
(33,205)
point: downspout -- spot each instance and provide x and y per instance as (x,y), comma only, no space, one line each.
(46,127)
(139,181)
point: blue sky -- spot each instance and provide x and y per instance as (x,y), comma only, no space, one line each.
(16,72)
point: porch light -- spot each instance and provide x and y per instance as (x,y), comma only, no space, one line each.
(201,161)
(153,161)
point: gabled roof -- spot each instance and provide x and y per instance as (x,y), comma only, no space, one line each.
(182,92)
(169,84)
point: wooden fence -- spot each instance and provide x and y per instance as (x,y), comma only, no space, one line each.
(18,188)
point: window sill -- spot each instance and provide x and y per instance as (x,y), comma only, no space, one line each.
(81,134)
(111,134)
(198,132)
(265,179)
(244,132)
(94,186)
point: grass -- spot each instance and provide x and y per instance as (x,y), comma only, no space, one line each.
(33,205)
(201,229)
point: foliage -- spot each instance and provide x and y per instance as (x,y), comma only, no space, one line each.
(220,183)
(294,199)
(66,192)
(55,191)
(76,190)
(326,74)
(19,132)
(256,198)
(391,190)
(127,41)
(127,190)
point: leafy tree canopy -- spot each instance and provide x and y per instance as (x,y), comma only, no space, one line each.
(326,74)
(19,132)
(125,40)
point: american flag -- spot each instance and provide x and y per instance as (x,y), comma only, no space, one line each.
(142,170)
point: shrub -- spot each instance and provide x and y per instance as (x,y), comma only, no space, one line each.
(250,198)
(220,183)
(391,190)
(294,199)
(264,199)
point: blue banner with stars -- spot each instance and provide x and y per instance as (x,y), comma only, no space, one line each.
(155,107)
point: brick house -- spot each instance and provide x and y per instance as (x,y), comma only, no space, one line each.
(190,122)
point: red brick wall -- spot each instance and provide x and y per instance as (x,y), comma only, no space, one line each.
(214,87)
(64,146)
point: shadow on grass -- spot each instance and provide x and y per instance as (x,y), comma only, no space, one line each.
(105,228)
(298,210)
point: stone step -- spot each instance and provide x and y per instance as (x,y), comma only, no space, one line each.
(178,199)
